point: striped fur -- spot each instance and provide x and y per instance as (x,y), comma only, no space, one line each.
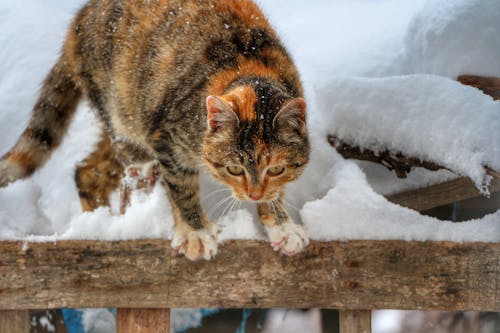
(147,67)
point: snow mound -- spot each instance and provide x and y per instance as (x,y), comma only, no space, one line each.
(429,117)
(355,211)
(450,38)
(20,212)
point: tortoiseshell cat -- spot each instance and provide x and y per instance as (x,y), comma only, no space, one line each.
(186,83)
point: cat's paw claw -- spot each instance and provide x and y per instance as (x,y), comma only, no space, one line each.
(288,238)
(197,244)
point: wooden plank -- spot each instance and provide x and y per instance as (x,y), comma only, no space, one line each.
(359,321)
(489,85)
(249,274)
(15,321)
(143,320)
(440,194)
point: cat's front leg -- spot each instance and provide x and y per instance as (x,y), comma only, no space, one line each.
(285,236)
(194,236)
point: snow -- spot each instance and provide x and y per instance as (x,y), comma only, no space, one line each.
(292,321)
(377,73)
(46,324)
(392,115)
(98,321)
(456,37)
(387,321)
(360,68)
(355,211)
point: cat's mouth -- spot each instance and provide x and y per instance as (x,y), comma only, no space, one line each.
(256,198)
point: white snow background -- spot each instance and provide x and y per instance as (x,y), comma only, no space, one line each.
(378,73)
(362,64)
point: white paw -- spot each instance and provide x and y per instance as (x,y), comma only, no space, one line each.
(9,173)
(288,238)
(197,244)
(142,175)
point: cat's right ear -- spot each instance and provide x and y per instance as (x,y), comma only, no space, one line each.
(219,114)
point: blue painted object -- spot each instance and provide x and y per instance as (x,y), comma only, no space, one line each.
(73,320)
(244,319)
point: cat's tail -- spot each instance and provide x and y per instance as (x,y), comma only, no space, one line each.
(48,123)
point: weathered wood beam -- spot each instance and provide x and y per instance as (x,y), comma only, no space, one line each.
(358,321)
(489,85)
(15,321)
(401,164)
(440,194)
(142,320)
(343,275)
(397,162)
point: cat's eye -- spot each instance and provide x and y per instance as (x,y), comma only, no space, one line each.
(275,170)
(235,170)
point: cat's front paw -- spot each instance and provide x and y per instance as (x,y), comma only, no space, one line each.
(10,172)
(288,238)
(197,244)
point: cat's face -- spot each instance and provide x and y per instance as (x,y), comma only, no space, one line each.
(256,141)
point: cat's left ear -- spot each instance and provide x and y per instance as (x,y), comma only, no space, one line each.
(292,115)
(220,114)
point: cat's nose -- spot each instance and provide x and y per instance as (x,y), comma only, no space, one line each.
(255,195)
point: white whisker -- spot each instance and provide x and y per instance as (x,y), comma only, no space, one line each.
(220,203)
(288,203)
(235,202)
(211,194)
(228,207)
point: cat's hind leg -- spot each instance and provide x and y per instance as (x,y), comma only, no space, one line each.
(285,236)
(98,175)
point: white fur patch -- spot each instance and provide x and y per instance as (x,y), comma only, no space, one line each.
(197,244)
(288,238)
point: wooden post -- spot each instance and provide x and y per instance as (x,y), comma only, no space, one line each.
(143,321)
(15,321)
(355,321)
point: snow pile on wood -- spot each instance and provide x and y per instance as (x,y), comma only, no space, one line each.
(429,116)
(352,210)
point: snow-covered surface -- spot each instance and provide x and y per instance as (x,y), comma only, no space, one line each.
(360,62)
(426,116)
(292,321)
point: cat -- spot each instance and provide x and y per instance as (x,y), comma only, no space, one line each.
(182,85)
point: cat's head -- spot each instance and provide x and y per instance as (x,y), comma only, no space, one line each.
(256,141)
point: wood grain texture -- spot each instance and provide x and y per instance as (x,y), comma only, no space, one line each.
(143,321)
(15,321)
(355,321)
(401,164)
(489,85)
(343,275)
(440,194)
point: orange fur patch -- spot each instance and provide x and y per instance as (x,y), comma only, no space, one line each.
(23,159)
(242,102)
(222,80)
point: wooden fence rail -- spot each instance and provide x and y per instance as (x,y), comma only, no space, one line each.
(248,274)
(145,278)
